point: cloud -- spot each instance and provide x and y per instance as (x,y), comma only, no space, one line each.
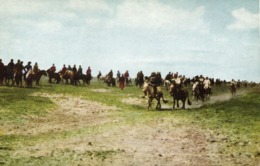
(45,26)
(20,7)
(244,20)
(153,14)
(89,5)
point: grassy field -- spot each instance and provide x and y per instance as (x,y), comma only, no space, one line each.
(57,124)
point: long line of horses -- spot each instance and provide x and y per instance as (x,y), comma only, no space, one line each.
(14,78)
(11,77)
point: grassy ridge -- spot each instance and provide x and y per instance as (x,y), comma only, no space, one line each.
(238,119)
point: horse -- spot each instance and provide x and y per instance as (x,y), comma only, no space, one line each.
(179,94)
(53,75)
(167,84)
(153,93)
(29,78)
(37,76)
(9,76)
(199,92)
(18,77)
(87,79)
(110,81)
(233,89)
(207,92)
(139,81)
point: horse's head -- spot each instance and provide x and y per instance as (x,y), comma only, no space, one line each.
(43,72)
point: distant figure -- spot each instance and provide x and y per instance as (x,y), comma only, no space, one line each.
(80,70)
(122,82)
(35,68)
(53,68)
(88,72)
(99,75)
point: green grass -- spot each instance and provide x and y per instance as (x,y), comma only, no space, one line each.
(238,120)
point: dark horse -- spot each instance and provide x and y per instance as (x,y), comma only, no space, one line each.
(179,94)
(8,75)
(18,77)
(139,81)
(37,76)
(233,89)
(199,92)
(30,77)
(110,81)
(55,76)
(152,94)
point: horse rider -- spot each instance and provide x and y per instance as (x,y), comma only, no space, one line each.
(126,74)
(18,67)
(99,75)
(168,76)
(63,70)
(11,64)
(122,82)
(80,70)
(110,75)
(2,66)
(74,69)
(35,68)
(206,83)
(233,82)
(69,67)
(88,72)
(27,68)
(53,68)
(118,74)
(155,80)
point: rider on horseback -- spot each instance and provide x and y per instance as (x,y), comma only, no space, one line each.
(35,68)
(52,68)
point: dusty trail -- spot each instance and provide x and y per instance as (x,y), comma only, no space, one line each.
(162,142)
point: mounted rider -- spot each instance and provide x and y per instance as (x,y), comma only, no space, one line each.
(80,70)
(110,75)
(35,68)
(74,69)
(63,70)
(155,80)
(207,83)
(88,72)
(2,66)
(11,64)
(52,68)
(27,68)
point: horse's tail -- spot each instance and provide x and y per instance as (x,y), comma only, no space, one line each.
(189,102)
(164,100)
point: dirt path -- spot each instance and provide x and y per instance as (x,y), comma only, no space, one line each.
(162,142)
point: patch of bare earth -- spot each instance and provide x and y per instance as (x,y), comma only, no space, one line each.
(161,142)
(71,113)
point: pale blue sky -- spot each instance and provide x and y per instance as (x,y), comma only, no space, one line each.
(216,38)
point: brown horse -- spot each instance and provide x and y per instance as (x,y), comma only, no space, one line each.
(18,77)
(179,94)
(37,76)
(55,76)
(153,94)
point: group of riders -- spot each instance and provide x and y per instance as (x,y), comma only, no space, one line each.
(201,87)
(73,74)
(17,72)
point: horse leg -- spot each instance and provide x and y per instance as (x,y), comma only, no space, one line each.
(173,107)
(183,103)
(149,103)
(158,106)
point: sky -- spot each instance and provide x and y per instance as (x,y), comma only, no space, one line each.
(215,38)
